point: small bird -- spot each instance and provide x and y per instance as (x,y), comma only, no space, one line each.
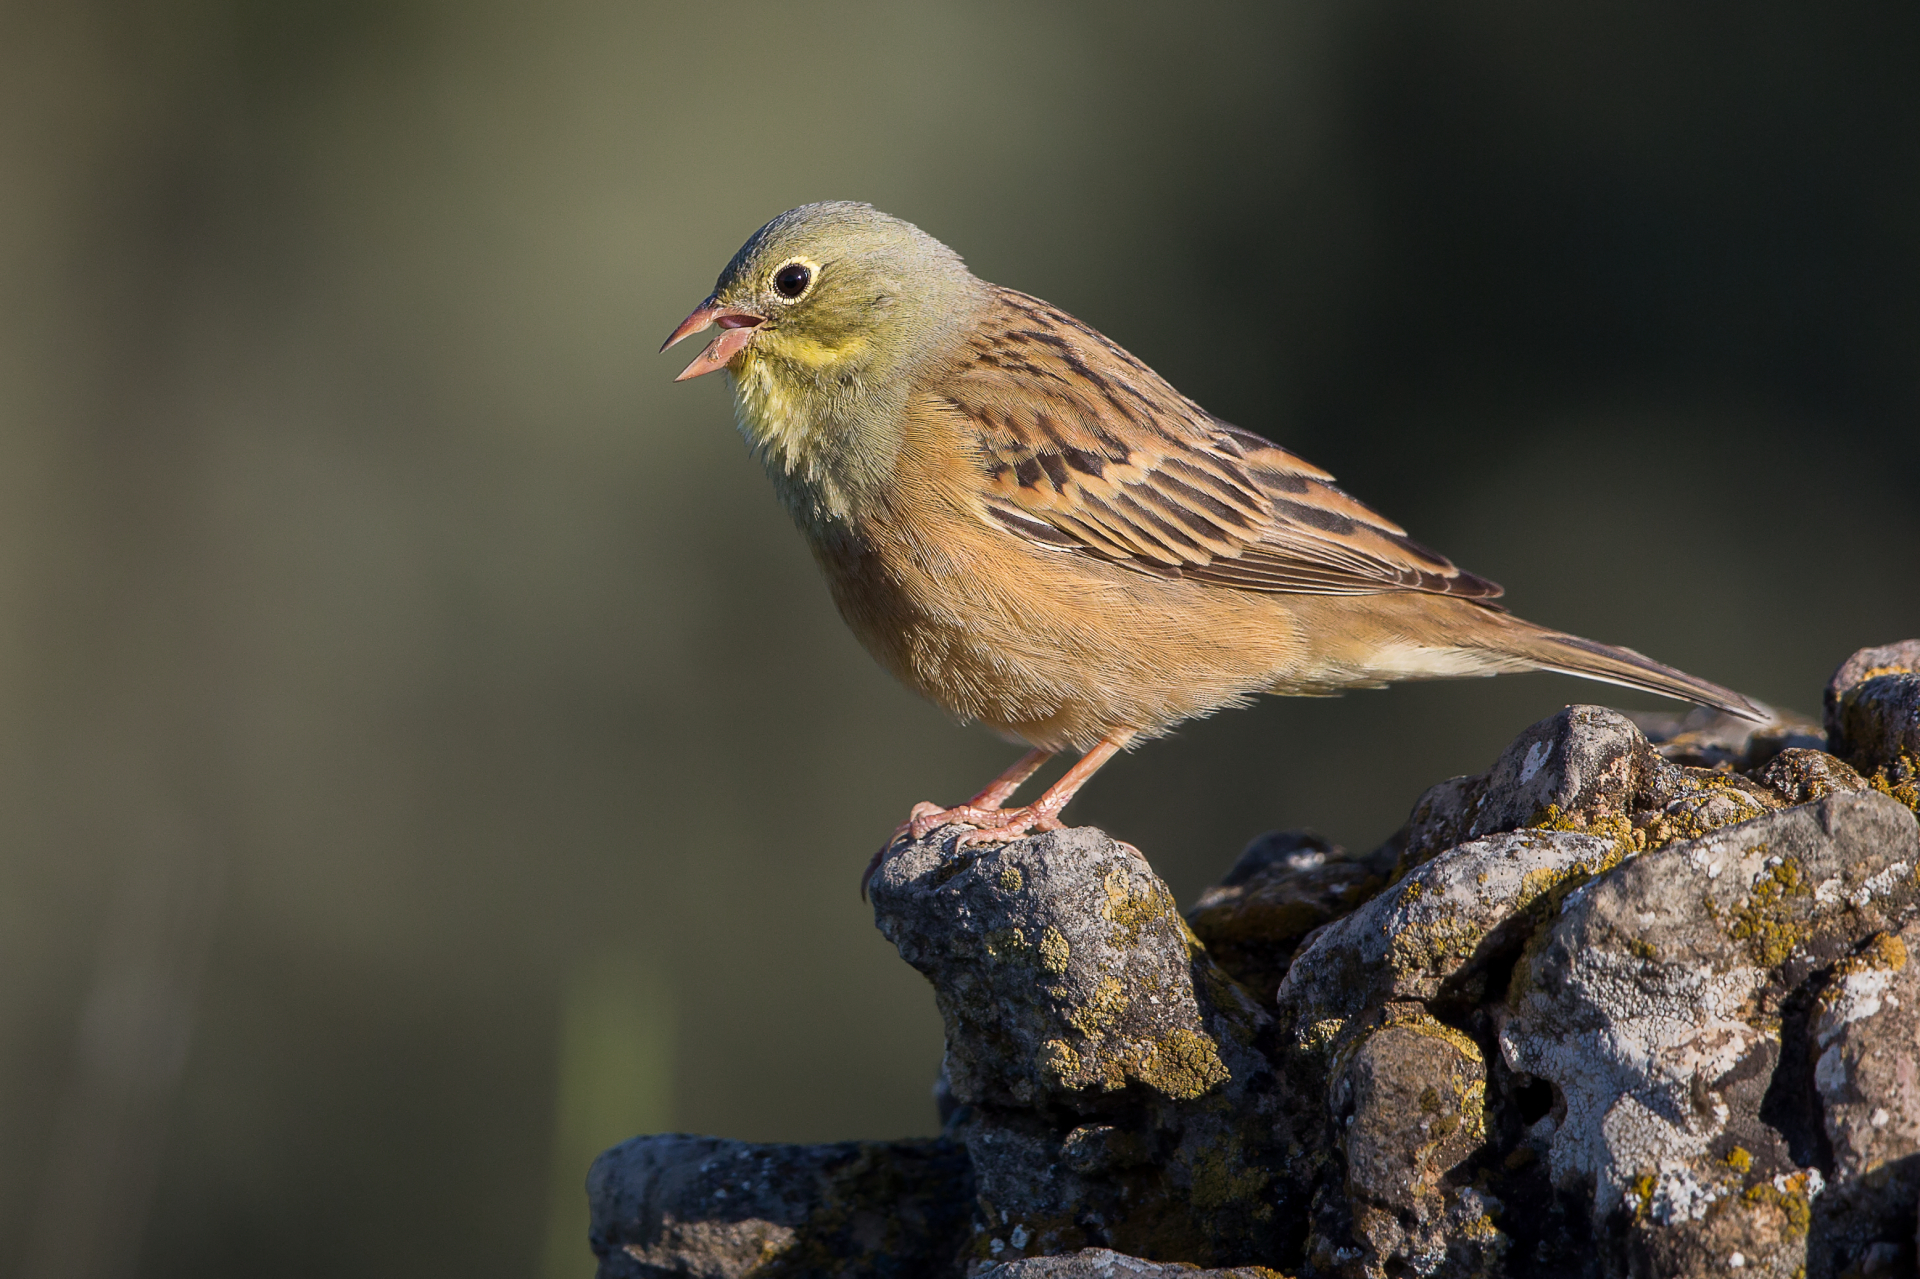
(1034,530)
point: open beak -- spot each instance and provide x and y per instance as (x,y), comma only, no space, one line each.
(736,330)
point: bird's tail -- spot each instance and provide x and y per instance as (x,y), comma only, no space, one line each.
(1542,649)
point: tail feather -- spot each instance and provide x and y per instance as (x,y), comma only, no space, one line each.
(1566,654)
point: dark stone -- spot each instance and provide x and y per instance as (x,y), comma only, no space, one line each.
(1285,885)
(681,1207)
(1117,1088)
(1873,717)
(1100,1263)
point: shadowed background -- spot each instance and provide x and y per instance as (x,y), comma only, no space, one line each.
(426,754)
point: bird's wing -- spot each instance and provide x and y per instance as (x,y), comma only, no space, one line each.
(1084,449)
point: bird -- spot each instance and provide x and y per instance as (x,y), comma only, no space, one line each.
(1031,528)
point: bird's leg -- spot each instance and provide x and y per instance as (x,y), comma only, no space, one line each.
(1044,813)
(984,806)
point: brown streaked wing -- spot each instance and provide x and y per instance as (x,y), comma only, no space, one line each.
(1084,449)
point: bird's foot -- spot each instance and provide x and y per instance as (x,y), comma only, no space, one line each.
(926,818)
(991,825)
(1010,823)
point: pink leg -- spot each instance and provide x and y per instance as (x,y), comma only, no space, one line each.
(1044,813)
(982,807)
(927,817)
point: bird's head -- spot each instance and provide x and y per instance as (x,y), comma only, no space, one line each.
(830,293)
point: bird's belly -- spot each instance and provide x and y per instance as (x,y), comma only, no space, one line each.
(1052,649)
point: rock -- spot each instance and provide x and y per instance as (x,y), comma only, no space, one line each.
(1802,776)
(1873,717)
(1585,765)
(1662,1008)
(1864,1035)
(1434,930)
(1116,1090)
(1412,1101)
(1101,1263)
(1285,885)
(1628,1005)
(707,1208)
(1707,738)
(1585,769)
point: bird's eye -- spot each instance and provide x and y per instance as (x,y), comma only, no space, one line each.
(792,279)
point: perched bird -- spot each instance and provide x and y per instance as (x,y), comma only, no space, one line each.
(1034,530)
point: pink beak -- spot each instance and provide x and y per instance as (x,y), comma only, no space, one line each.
(737,328)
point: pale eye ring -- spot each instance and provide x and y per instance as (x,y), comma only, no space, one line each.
(791,280)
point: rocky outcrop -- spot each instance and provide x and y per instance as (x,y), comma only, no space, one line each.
(1636,1001)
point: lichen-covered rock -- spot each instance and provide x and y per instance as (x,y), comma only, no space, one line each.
(1060,964)
(1585,769)
(1410,1106)
(1585,764)
(1115,1092)
(1426,937)
(682,1207)
(1707,738)
(1662,1009)
(1801,776)
(1103,1263)
(1864,1032)
(1285,885)
(1873,717)
(1632,1004)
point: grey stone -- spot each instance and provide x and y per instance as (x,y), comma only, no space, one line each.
(1801,776)
(1102,1263)
(682,1207)
(1434,929)
(1117,1093)
(1410,1110)
(1708,738)
(1873,717)
(1654,1008)
(1864,1035)
(1587,761)
(1285,885)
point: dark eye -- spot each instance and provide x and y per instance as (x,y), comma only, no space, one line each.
(792,280)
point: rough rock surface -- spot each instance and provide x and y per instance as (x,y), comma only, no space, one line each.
(675,1205)
(1104,1263)
(1873,717)
(1637,1001)
(1112,1078)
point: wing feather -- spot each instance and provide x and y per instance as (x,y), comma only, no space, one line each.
(1085,449)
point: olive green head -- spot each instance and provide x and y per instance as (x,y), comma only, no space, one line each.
(830,293)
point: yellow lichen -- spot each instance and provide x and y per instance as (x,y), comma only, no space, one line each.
(1790,1197)
(1059,1059)
(1899,779)
(1739,1159)
(1011,879)
(1100,1009)
(1322,1033)
(1054,951)
(1183,1065)
(1007,943)
(1131,913)
(1222,1178)
(1418,1019)
(1614,826)
(1766,921)
(1641,1193)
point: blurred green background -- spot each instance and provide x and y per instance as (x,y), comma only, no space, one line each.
(426,754)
